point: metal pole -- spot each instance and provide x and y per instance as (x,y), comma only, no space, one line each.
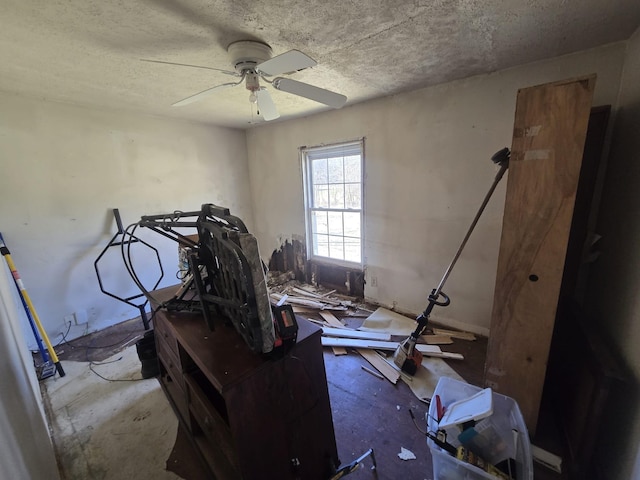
(25,296)
(499,175)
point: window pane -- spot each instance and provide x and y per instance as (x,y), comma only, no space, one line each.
(320,223)
(352,171)
(319,168)
(335,223)
(321,245)
(352,250)
(336,247)
(336,196)
(351,224)
(321,196)
(336,170)
(334,193)
(353,195)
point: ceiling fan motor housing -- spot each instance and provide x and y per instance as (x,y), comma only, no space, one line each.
(246,54)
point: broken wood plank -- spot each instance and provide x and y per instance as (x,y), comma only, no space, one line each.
(337,351)
(454,334)
(331,319)
(322,323)
(348,333)
(300,309)
(328,293)
(299,301)
(426,350)
(372,372)
(380,364)
(305,292)
(437,339)
(317,297)
(336,308)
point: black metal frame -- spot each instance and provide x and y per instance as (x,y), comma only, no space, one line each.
(127,239)
(218,268)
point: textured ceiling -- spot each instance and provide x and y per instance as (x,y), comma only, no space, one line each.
(88,51)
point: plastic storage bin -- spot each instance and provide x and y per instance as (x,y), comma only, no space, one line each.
(506,426)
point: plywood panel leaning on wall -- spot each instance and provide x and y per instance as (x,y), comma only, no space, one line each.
(546,156)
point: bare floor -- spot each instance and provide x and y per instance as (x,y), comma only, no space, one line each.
(109,424)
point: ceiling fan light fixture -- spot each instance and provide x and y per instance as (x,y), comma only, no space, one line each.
(252,81)
(253,61)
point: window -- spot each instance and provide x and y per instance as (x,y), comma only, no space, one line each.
(333,195)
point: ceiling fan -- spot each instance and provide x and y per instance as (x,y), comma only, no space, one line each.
(252,62)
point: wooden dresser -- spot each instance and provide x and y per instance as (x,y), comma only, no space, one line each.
(248,417)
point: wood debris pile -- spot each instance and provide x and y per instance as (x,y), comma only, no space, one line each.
(323,307)
(307,299)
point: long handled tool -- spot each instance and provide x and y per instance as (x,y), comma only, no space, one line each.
(47,369)
(30,309)
(406,356)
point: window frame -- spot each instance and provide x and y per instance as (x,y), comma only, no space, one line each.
(307,155)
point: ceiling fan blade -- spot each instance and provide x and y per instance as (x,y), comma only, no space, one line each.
(335,100)
(228,72)
(266,106)
(287,62)
(204,93)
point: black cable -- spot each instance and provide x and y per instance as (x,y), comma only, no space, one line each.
(113,379)
(416,423)
(128,263)
(92,363)
(127,258)
(68,342)
(64,336)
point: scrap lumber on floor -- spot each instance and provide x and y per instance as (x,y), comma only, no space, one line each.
(380,364)
(348,333)
(454,334)
(331,319)
(427,350)
(437,339)
(367,412)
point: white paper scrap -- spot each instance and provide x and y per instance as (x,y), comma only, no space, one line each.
(406,454)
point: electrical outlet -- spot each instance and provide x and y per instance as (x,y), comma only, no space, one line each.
(374,280)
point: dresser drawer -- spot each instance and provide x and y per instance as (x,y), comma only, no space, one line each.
(175,393)
(163,331)
(171,362)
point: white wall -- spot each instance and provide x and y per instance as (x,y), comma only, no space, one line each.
(615,277)
(427,167)
(26,450)
(64,168)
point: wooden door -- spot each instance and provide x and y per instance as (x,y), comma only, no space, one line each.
(548,141)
